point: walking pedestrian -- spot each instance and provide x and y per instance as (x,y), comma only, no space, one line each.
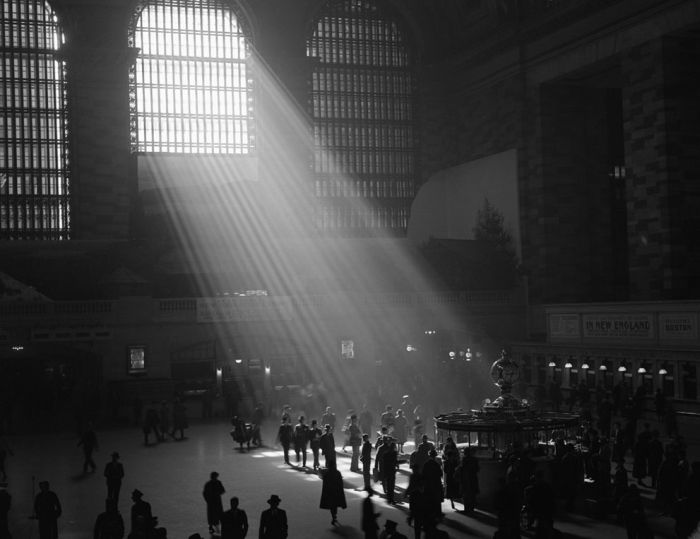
(328,445)
(47,509)
(88,441)
(314,435)
(114,473)
(110,524)
(213,489)
(301,438)
(328,418)
(450,462)
(273,521)
(234,522)
(285,435)
(468,474)
(332,493)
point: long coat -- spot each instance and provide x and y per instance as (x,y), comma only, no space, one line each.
(332,493)
(234,524)
(213,489)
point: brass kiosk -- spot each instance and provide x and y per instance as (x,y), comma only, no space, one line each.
(500,425)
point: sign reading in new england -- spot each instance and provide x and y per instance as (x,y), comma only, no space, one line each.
(618,326)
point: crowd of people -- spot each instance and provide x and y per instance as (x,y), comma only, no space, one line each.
(610,465)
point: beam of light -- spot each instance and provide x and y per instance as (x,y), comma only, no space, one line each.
(257,234)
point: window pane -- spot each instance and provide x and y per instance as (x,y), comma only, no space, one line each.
(184,80)
(34,185)
(362,76)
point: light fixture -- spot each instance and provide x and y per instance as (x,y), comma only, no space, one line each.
(267,369)
(585,365)
(663,371)
(552,364)
(411,348)
(568,365)
(468,354)
(641,370)
(452,354)
(622,368)
(238,361)
(603,367)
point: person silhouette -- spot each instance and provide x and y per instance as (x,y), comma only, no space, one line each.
(234,522)
(114,473)
(213,489)
(273,521)
(47,509)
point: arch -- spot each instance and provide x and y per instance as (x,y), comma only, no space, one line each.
(191,84)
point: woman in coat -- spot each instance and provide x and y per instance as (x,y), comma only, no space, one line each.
(468,474)
(332,493)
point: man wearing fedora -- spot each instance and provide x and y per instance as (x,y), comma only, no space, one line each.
(273,521)
(114,473)
(142,520)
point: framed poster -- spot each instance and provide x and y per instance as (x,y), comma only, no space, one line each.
(136,359)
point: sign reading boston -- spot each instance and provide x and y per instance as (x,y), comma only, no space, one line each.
(618,326)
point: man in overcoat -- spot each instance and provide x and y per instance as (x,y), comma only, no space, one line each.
(234,522)
(273,521)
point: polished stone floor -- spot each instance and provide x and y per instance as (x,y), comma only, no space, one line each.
(171,476)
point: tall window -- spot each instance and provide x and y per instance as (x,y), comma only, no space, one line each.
(191,84)
(361,104)
(34,181)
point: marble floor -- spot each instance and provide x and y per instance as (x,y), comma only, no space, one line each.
(171,476)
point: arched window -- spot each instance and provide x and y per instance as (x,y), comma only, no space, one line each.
(362,108)
(191,84)
(34,181)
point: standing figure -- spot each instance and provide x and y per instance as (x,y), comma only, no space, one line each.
(366,459)
(110,524)
(314,435)
(285,434)
(258,418)
(234,522)
(179,419)
(150,423)
(355,440)
(387,418)
(328,445)
(450,462)
(328,418)
(432,474)
(5,505)
(47,509)
(273,521)
(332,493)
(468,474)
(114,473)
(213,489)
(301,438)
(400,429)
(369,517)
(88,441)
(142,520)
(390,464)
